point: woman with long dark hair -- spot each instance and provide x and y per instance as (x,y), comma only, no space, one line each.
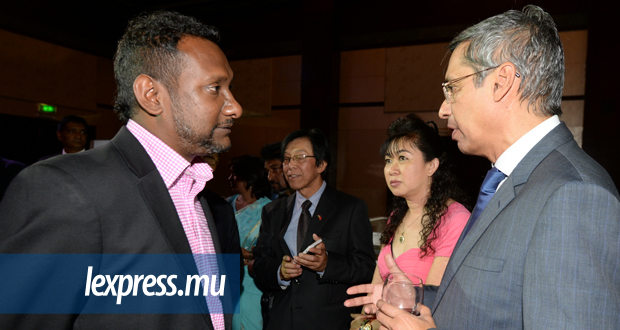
(425,217)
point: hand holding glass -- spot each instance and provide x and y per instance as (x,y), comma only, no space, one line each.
(404,291)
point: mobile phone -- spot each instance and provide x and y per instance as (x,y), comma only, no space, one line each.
(312,245)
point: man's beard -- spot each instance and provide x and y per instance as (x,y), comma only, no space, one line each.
(278,191)
(202,145)
(275,190)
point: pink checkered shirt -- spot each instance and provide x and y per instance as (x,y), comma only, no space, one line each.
(184,181)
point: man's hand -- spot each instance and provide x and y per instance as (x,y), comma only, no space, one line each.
(373,291)
(248,260)
(393,318)
(316,262)
(247,256)
(289,269)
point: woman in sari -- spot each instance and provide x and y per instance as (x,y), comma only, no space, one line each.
(249,181)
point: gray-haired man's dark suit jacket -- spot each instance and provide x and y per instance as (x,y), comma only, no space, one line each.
(545,252)
(108,200)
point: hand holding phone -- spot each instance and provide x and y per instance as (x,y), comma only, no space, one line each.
(312,245)
(316,261)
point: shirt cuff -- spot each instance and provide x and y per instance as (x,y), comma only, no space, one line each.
(283,284)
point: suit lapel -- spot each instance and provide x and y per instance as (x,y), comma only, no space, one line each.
(157,198)
(220,217)
(505,194)
(162,208)
(321,214)
(211,222)
(154,191)
(323,209)
(285,221)
(288,214)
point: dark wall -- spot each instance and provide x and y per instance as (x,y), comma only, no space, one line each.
(602,111)
(27,139)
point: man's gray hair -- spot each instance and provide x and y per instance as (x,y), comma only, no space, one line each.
(528,39)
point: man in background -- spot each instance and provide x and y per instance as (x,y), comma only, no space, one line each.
(142,193)
(306,290)
(72,134)
(272,156)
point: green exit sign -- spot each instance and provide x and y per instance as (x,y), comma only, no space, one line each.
(46,108)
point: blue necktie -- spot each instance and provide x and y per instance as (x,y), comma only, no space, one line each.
(489,186)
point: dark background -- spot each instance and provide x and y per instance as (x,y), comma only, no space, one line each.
(319,30)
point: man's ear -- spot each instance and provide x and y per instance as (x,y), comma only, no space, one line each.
(322,167)
(147,92)
(59,136)
(505,81)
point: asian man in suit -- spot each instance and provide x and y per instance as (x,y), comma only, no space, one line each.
(307,290)
(544,252)
(143,192)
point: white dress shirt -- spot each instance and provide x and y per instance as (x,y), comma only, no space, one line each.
(507,162)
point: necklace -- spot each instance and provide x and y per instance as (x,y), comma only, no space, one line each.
(401,239)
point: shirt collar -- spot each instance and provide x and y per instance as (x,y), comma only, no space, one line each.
(168,162)
(299,199)
(515,153)
(64,152)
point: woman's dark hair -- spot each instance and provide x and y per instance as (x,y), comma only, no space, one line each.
(250,169)
(414,131)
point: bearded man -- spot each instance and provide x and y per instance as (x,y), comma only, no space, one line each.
(142,193)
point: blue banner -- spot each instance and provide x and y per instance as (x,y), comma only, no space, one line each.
(118,283)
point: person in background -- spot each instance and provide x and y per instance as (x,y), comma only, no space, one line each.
(306,290)
(542,247)
(272,156)
(249,181)
(425,218)
(72,134)
(212,160)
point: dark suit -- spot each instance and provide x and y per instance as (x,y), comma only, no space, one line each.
(544,253)
(312,302)
(109,200)
(49,156)
(8,170)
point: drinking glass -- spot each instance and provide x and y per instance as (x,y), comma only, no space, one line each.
(404,291)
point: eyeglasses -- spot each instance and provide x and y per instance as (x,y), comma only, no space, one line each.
(299,159)
(448,89)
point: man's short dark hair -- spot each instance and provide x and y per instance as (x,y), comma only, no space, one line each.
(70,119)
(271,151)
(149,47)
(320,147)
